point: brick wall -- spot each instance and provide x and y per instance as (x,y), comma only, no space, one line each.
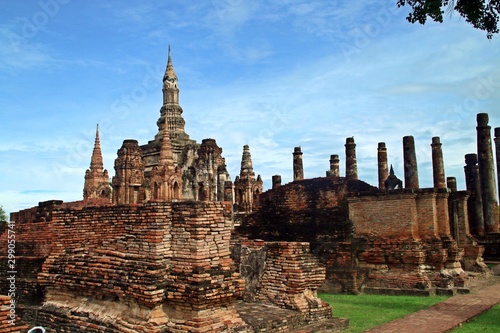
(364,236)
(311,210)
(9,321)
(33,243)
(385,214)
(406,240)
(141,269)
(285,274)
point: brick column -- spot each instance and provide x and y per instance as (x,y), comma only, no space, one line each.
(334,166)
(497,146)
(276,181)
(351,166)
(442,213)
(410,162)
(298,168)
(459,217)
(383,168)
(451,183)
(475,201)
(487,173)
(437,163)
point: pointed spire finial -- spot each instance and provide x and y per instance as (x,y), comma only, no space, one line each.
(170,72)
(96,159)
(392,171)
(246,164)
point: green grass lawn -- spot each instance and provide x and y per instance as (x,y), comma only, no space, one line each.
(367,311)
(487,322)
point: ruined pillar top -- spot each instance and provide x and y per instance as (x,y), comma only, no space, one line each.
(436,140)
(408,138)
(482,119)
(350,161)
(383,171)
(334,166)
(497,132)
(471,159)
(451,183)
(410,162)
(298,168)
(276,181)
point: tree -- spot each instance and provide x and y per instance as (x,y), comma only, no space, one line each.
(482,14)
(3,214)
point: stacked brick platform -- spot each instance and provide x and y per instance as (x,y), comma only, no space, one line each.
(6,325)
(284,274)
(104,257)
(202,280)
(154,268)
(157,267)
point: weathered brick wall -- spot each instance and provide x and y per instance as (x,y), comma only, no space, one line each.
(9,321)
(103,251)
(311,210)
(33,242)
(385,214)
(202,281)
(406,240)
(161,267)
(285,274)
(411,213)
(364,236)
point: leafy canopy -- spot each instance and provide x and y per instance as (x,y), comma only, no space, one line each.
(3,214)
(482,14)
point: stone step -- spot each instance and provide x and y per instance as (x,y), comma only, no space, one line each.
(270,319)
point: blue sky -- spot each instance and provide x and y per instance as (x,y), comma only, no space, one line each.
(273,75)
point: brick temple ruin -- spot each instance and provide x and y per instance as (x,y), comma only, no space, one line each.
(173,245)
(153,251)
(395,238)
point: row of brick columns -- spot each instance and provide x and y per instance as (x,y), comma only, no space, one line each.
(487,172)
(479,172)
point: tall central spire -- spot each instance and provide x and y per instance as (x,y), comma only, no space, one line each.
(170,72)
(171,112)
(170,83)
(96,160)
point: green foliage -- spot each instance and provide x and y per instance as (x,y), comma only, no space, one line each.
(487,322)
(482,14)
(3,214)
(360,309)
